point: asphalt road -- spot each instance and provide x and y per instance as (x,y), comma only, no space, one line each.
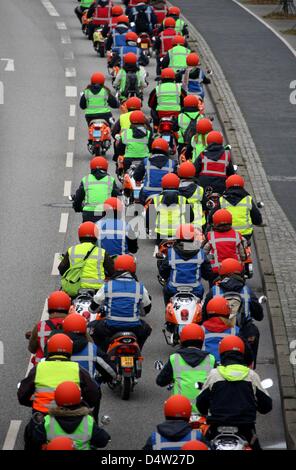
(35,135)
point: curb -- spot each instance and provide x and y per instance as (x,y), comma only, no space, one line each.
(271,287)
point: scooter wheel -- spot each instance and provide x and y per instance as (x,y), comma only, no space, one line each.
(126,388)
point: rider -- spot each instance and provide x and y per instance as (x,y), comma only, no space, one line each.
(167,98)
(233,394)
(189,367)
(100,13)
(131,104)
(223,241)
(97,99)
(116,235)
(97,266)
(125,299)
(164,41)
(238,201)
(131,46)
(214,165)
(130,72)
(143,16)
(70,417)
(181,27)
(198,142)
(116,12)
(84,5)
(185,264)
(117,36)
(192,191)
(58,304)
(176,56)
(175,431)
(187,120)
(153,168)
(94,189)
(194,76)
(135,142)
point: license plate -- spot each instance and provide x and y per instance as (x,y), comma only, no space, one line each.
(127,361)
(97,133)
(167,138)
(144,45)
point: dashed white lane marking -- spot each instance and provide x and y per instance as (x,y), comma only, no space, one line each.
(64,222)
(70,91)
(56,262)
(61,25)
(69,55)
(72,111)
(69,160)
(11,435)
(70,72)
(65,39)
(67,188)
(71,133)
(9,67)
(50,8)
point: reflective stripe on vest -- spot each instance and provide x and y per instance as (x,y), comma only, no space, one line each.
(137,296)
(218,335)
(215,168)
(174,215)
(96,192)
(241,217)
(196,202)
(96,103)
(118,39)
(160,444)
(169,169)
(81,436)
(214,248)
(244,294)
(93,267)
(168,97)
(123,50)
(90,358)
(178,57)
(174,262)
(115,233)
(179,25)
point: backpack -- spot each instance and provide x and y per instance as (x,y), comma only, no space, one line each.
(71,279)
(54,330)
(131,85)
(142,21)
(191,130)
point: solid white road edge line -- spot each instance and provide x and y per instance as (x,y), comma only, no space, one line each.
(50,8)
(69,160)
(56,262)
(11,435)
(64,222)
(71,133)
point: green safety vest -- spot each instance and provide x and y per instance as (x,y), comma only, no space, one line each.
(93,273)
(179,26)
(196,202)
(96,103)
(241,217)
(86,3)
(184,120)
(198,146)
(178,56)
(168,97)
(96,192)
(81,436)
(168,218)
(186,377)
(123,76)
(124,120)
(135,148)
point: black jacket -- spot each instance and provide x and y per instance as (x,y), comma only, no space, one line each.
(157,159)
(89,388)
(193,357)
(233,403)
(69,419)
(139,132)
(112,101)
(206,270)
(235,283)
(80,193)
(234,195)
(173,430)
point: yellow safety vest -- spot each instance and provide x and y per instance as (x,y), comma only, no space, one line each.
(241,217)
(93,273)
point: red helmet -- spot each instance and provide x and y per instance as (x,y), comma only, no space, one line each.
(177,406)
(97,78)
(191,101)
(60,443)
(168,73)
(59,343)
(178,39)
(137,117)
(113,203)
(117,10)
(218,305)
(131,36)
(235,180)
(99,163)
(215,137)
(232,343)
(58,301)
(74,323)
(194,445)
(133,103)
(230,266)
(170,181)
(67,393)
(169,22)
(160,144)
(174,11)
(125,263)
(130,58)
(123,19)
(204,126)
(185,232)
(186,170)
(192,332)
(192,59)
(87,230)
(222,217)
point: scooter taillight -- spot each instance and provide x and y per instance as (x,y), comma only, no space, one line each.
(130,349)
(86,315)
(166,126)
(184,314)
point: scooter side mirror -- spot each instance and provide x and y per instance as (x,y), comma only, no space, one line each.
(267,383)
(262,299)
(158,365)
(105,420)
(235,167)
(260,204)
